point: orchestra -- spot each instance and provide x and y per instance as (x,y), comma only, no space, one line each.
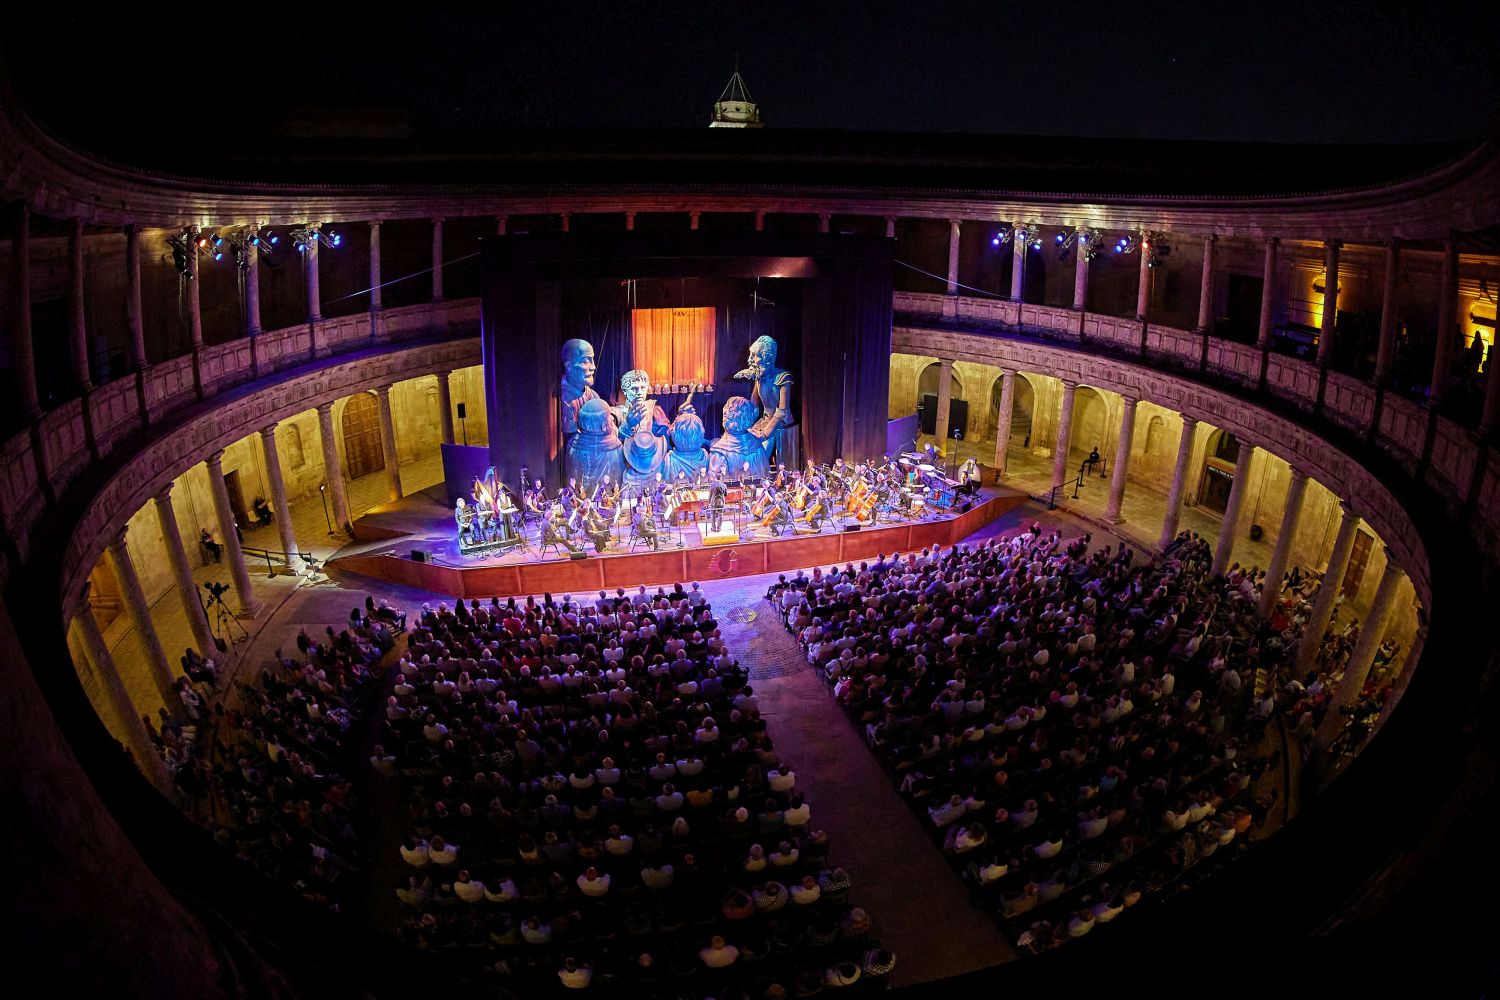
(615,516)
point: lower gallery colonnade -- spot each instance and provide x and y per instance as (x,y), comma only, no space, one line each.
(1160,470)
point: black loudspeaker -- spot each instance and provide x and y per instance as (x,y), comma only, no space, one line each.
(463,411)
(419,555)
(853,527)
(958,415)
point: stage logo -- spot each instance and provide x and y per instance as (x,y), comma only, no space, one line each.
(724,562)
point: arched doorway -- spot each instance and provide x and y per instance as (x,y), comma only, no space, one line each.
(1090,421)
(927,383)
(1218,471)
(361,423)
(927,397)
(1022,413)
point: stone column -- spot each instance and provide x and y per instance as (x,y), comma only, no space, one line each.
(1371,632)
(760,220)
(134,319)
(375,303)
(1143,283)
(1017,262)
(1064,435)
(1122,462)
(890,227)
(194,299)
(314,293)
(695,217)
(944,404)
(249,607)
(1179,483)
(1267,295)
(1002,428)
(1080,272)
(278,497)
(954,226)
(252,290)
(1224,546)
(1284,535)
(1403,678)
(1442,358)
(137,740)
(1330,300)
(78,330)
(501,223)
(145,629)
(1328,592)
(388,442)
(338,498)
(437,258)
(187,587)
(629,221)
(1385,357)
(23,351)
(1206,286)
(445,406)
(1490,418)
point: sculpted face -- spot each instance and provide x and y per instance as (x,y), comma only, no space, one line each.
(578,364)
(635,385)
(763,353)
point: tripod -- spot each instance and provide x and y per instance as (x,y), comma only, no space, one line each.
(223,623)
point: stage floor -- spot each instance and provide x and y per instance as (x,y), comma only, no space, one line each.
(386,537)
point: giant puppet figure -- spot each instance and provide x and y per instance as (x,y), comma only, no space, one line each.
(577,382)
(642,428)
(771,392)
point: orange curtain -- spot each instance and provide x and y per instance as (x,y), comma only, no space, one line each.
(674,345)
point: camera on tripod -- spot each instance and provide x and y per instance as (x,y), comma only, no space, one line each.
(216,590)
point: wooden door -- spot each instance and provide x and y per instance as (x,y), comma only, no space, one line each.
(362,435)
(1359,558)
(236,498)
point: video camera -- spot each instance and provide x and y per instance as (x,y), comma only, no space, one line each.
(216,589)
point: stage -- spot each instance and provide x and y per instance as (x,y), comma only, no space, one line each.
(386,537)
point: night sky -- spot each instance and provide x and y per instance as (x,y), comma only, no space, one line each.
(1283,71)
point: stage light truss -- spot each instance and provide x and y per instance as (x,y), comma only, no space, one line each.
(1026,233)
(311,233)
(1150,242)
(242,240)
(1084,239)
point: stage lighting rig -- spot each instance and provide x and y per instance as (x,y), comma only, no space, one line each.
(1024,234)
(1084,239)
(242,241)
(187,243)
(305,236)
(1149,242)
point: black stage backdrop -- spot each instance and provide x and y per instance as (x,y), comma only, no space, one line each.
(831,320)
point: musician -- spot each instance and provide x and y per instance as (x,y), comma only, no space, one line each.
(968,473)
(645,523)
(601,491)
(463,516)
(534,501)
(506,511)
(555,531)
(596,528)
(717,495)
(570,496)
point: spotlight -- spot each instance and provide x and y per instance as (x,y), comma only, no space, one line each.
(312,233)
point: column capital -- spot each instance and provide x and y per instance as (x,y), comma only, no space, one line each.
(445,373)
(1298,474)
(384,391)
(437,220)
(269,432)
(1188,422)
(165,495)
(1209,239)
(325,407)
(955,222)
(215,461)
(945,362)
(1347,510)
(1391,242)
(373,223)
(1333,244)
(1272,242)
(1129,401)
(117,544)
(1068,383)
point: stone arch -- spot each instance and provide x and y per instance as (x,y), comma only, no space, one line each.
(931,376)
(1090,420)
(1023,412)
(1220,452)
